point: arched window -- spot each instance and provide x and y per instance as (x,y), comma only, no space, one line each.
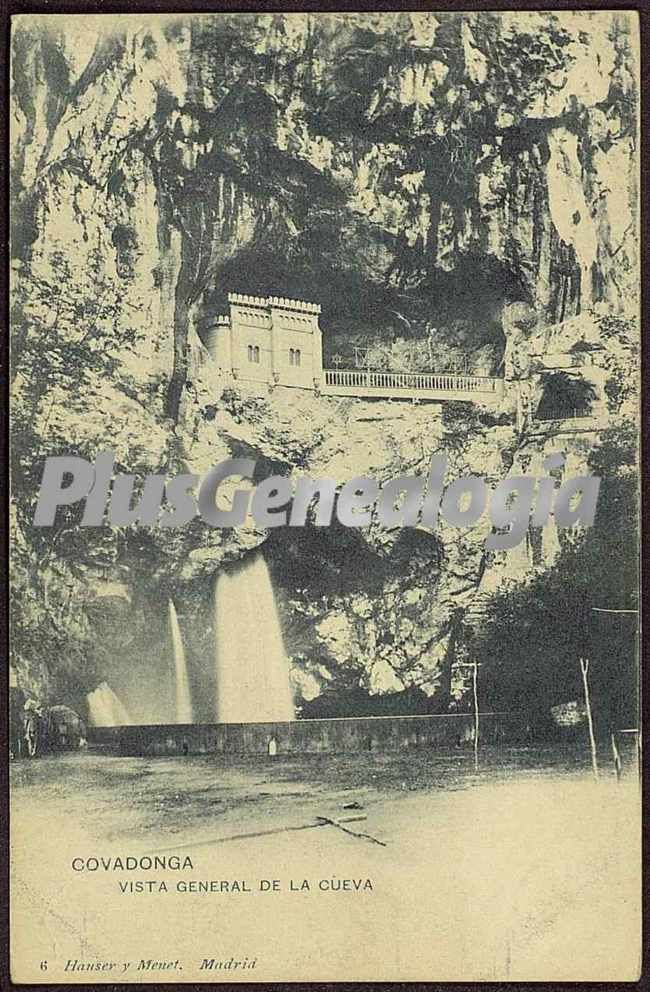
(250,353)
(292,356)
(256,354)
(296,357)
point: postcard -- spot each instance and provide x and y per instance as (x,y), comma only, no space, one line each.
(325,497)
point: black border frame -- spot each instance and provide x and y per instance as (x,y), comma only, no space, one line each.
(9,8)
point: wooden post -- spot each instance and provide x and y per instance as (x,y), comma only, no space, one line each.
(476,716)
(618,768)
(584,668)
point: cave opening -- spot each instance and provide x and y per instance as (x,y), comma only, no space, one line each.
(443,320)
(333,586)
(565,396)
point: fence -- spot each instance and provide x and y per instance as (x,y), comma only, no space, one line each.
(551,415)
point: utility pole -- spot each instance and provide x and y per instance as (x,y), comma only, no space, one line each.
(584,668)
(476,716)
(618,768)
(474,666)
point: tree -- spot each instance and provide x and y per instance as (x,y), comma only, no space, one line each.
(534,634)
(70,335)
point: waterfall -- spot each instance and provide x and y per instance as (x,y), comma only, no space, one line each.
(252,671)
(183,699)
(106,709)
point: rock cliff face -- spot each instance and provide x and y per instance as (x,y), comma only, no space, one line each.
(406,171)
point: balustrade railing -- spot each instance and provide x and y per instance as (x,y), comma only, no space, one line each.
(412,381)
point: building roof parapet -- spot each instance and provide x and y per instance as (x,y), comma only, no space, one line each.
(281,301)
(242,299)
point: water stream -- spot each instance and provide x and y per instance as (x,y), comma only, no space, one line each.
(252,670)
(106,709)
(182,696)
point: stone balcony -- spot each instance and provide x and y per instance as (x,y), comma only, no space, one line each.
(442,386)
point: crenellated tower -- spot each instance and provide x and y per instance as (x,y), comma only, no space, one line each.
(269,339)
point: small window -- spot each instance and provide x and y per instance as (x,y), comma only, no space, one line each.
(253,353)
(294,356)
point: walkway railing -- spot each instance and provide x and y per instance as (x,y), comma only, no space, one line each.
(550,416)
(394,382)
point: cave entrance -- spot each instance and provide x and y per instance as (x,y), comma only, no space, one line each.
(565,396)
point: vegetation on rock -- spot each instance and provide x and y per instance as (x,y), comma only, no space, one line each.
(412,173)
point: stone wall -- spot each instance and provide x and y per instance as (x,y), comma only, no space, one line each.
(312,736)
